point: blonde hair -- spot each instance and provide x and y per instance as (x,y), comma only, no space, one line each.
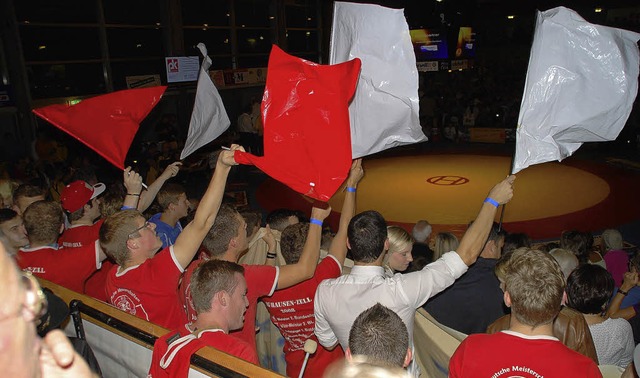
(399,239)
(444,242)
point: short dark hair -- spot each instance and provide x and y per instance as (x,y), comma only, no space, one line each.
(381,335)
(224,228)
(576,242)
(367,233)
(589,288)
(278,219)
(209,278)
(7,215)
(28,190)
(292,241)
(169,194)
(515,241)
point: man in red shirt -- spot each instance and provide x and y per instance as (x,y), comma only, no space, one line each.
(144,283)
(227,240)
(533,288)
(291,309)
(68,267)
(220,293)
(80,201)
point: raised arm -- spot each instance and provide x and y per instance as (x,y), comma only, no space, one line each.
(191,237)
(630,281)
(133,183)
(306,265)
(338,246)
(473,240)
(271,246)
(147,196)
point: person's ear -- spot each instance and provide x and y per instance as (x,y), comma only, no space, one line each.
(347,355)
(348,244)
(507,299)
(61,229)
(131,244)
(222,298)
(386,244)
(564,298)
(407,358)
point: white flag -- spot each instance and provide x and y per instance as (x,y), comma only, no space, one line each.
(384,110)
(209,119)
(581,83)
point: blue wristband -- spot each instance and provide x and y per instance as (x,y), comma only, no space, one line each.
(315,221)
(127,208)
(351,189)
(492,201)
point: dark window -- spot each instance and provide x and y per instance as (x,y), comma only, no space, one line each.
(217,41)
(212,13)
(253,61)
(301,17)
(132,12)
(129,43)
(254,41)
(76,11)
(58,43)
(121,70)
(252,13)
(62,80)
(302,41)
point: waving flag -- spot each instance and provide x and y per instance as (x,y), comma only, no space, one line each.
(305,112)
(384,110)
(581,83)
(107,123)
(209,118)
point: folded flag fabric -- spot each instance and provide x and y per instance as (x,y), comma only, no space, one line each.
(581,83)
(209,118)
(384,110)
(108,123)
(307,144)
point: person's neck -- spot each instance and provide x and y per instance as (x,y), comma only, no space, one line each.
(229,255)
(134,261)
(38,244)
(592,319)
(541,330)
(82,222)
(207,321)
(169,218)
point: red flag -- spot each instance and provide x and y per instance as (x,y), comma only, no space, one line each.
(107,123)
(305,112)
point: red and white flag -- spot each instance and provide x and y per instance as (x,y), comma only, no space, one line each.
(108,123)
(209,118)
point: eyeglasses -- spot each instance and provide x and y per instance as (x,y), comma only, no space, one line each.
(35,301)
(132,235)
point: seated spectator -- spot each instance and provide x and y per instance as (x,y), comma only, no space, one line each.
(25,195)
(82,205)
(615,257)
(279,219)
(13,235)
(339,301)
(398,256)
(626,300)
(567,260)
(380,335)
(289,306)
(443,243)
(534,287)
(589,288)
(175,206)
(219,291)
(144,283)
(513,241)
(475,300)
(581,244)
(68,267)
(420,252)
(227,240)
(569,326)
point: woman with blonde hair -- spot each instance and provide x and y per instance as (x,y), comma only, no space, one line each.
(398,256)
(443,243)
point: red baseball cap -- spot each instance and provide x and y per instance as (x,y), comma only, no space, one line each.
(78,194)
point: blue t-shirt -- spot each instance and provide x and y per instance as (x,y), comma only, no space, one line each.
(631,299)
(167,234)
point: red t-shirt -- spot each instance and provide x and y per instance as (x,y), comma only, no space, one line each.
(80,235)
(186,344)
(68,267)
(261,281)
(509,354)
(291,310)
(95,285)
(149,290)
